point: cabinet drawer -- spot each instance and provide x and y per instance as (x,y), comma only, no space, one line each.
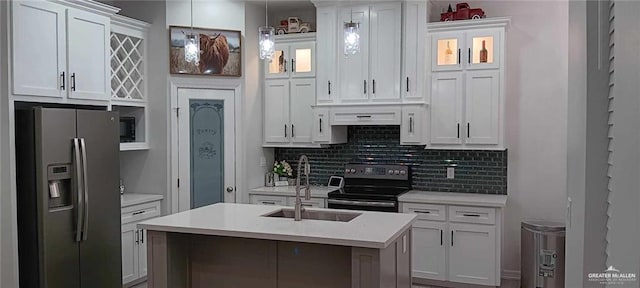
(314,202)
(365,116)
(426,211)
(466,214)
(268,200)
(140,212)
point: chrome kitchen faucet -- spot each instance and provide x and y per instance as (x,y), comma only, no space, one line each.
(307,189)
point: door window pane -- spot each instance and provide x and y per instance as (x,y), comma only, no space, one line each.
(447,51)
(303,60)
(277,64)
(482,50)
(207,151)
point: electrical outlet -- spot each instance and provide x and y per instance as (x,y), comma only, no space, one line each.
(451,172)
(263,161)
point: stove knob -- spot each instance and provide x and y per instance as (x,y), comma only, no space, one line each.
(402,172)
(353,171)
(390,172)
(346,171)
(397,172)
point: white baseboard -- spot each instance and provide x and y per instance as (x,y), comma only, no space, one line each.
(511,274)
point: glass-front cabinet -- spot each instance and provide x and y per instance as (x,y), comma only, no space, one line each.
(483,49)
(277,67)
(448,49)
(478,49)
(292,60)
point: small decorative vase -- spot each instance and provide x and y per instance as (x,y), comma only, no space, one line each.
(292,181)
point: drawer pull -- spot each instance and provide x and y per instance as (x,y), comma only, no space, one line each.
(307,205)
(268,203)
(470,215)
(422,212)
(138,213)
(363,116)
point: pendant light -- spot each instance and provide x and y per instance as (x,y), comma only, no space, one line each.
(192,44)
(351,37)
(266,43)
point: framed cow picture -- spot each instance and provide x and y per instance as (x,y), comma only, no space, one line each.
(220,52)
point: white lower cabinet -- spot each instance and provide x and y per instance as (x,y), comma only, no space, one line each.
(462,245)
(129,253)
(472,256)
(134,240)
(268,200)
(429,240)
(315,202)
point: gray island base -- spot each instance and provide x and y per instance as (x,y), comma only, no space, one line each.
(229,245)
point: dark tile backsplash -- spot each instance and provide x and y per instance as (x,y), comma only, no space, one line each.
(478,171)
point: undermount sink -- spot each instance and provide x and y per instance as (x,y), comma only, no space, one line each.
(315,215)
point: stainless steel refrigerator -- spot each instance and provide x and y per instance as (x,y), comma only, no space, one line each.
(68,198)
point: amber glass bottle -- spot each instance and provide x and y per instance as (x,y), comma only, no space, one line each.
(483,53)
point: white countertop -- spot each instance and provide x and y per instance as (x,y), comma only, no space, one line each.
(316,191)
(130,199)
(370,230)
(466,199)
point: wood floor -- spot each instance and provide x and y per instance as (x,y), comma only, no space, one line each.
(505,284)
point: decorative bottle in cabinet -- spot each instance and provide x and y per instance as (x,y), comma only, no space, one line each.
(447,54)
(483,53)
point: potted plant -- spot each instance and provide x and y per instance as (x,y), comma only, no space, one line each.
(283,170)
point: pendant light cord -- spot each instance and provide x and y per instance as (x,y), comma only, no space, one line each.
(191,16)
(266,13)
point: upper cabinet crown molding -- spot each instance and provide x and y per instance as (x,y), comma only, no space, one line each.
(118,21)
(90,6)
(495,22)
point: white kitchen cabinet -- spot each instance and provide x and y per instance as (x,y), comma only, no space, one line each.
(268,200)
(142,253)
(130,253)
(429,251)
(354,69)
(385,51)
(300,109)
(61,51)
(327,19)
(472,256)
(482,109)
(455,243)
(89,53)
(276,111)
(292,59)
(446,108)
(39,49)
(414,50)
(373,74)
(313,203)
(411,129)
(288,105)
(323,131)
(134,247)
(467,105)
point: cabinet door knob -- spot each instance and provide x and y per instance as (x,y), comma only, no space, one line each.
(407,84)
(285,131)
(320,120)
(293,131)
(73,81)
(229,189)
(365,86)
(329,84)
(293,67)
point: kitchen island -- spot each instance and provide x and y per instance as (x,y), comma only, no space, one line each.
(242,245)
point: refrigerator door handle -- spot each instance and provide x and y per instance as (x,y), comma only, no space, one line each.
(79,189)
(85,228)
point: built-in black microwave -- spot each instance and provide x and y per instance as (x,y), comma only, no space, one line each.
(127,129)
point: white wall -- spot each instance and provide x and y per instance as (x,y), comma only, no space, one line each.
(253,104)
(148,171)
(537,72)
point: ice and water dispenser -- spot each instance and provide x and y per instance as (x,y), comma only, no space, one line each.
(59,180)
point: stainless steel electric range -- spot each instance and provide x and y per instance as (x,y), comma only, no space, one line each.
(372,187)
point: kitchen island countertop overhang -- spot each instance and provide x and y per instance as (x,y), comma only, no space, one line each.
(369,230)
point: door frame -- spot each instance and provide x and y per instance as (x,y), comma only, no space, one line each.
(213,84)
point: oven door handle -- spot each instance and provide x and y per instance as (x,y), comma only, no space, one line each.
(361,203)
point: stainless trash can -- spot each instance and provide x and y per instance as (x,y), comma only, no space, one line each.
(542,252)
